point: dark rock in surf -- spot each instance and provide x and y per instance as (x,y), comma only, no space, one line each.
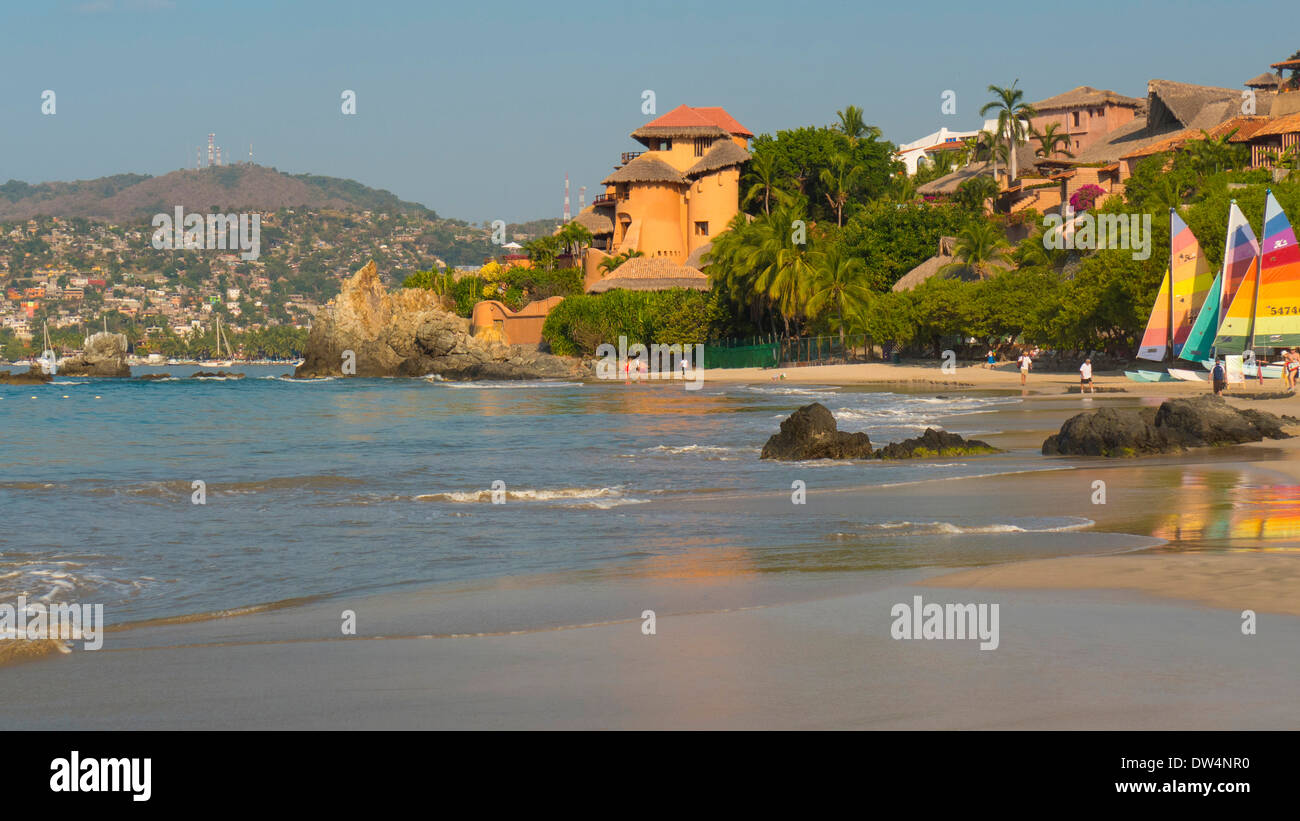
(811,433)
(33,376)
(935,443)
(1178,424)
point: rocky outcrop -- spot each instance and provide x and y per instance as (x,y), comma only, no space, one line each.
(1178,424)
(811,433)
(216,375)
(935,443)
(369,331)
(105,355)
(33,376)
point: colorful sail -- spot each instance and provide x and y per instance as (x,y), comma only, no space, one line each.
(1265,312)
(1277,307)
(1239,254)
(1200,342)
(1183,291)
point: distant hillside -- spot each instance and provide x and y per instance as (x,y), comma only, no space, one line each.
(127,197)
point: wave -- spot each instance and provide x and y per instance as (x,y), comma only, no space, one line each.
(1060,525)
(296,379)
(602,497)
(793,391)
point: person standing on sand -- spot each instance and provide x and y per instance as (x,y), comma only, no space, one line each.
(1026,362)
(1085,377)
(990,360)
(1291,363)
(1220,377)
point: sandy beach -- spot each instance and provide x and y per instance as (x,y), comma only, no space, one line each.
(1128,638)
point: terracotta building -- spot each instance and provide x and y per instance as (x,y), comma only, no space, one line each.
(671,199)
(1085,114)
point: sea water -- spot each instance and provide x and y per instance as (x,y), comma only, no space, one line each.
(183,496)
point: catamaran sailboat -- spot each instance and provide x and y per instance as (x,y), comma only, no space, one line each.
(220,363)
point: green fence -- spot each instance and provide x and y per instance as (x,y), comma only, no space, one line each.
(772,352)
(741,356)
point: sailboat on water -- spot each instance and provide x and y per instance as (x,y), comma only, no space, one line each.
(1265,311)
(49,359)
(1183,293)
(220,363)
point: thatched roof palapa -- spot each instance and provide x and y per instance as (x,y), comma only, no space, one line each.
(651,274)
(947,184)
(1264,80)
(934,264)
(723,154)
(645,169)
(1086,97)
(597,224)
(1289,124)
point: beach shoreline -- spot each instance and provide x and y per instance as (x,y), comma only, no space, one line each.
(768,646)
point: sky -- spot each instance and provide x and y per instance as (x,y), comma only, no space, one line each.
(478,110)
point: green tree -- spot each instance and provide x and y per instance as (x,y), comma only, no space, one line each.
(1012,112)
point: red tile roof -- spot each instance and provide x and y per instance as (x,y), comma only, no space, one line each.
(686,116)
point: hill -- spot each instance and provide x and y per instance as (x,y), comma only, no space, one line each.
(128,197)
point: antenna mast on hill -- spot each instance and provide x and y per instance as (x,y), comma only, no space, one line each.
(211,142)
(582,198)
(566,197)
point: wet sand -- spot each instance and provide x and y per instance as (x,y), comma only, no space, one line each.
(1123,640)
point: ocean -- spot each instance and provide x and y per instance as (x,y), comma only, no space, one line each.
(355,486)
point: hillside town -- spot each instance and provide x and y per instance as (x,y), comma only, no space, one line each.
(68,275)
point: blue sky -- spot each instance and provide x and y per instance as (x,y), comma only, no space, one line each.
(478,109)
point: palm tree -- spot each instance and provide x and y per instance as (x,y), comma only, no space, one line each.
(573,237)
(1012,112)
(543,251)
(608,264)
(977,190)
(979,245)
(839,283)
(1048,140)
(764,170)
(854,127)
(839,180)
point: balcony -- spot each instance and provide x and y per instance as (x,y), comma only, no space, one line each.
(604,199)
(629,156)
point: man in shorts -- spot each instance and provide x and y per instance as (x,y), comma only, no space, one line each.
(1025,362)
(1220,377)
(1085,377)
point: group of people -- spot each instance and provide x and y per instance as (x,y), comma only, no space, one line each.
(1290,368)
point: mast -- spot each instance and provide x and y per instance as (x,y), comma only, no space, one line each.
(1170,324)
(1259,280)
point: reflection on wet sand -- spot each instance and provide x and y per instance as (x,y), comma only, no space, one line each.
(1229,510)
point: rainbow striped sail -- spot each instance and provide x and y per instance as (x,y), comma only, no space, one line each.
(1182,293)
(1265,312)
(1238,256)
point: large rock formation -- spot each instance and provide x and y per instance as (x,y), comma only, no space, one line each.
(1203,421)
(811,433)
(105,355)
(407,333)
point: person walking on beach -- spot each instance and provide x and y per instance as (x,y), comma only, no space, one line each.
(1291,368)
(1026,362)
(1085,377)
(1220,377)
(990,360)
